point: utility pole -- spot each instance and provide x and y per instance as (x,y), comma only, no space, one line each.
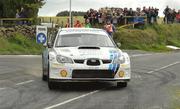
(70,14)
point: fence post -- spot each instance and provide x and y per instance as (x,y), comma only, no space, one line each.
(50,20)
(125,20)
(1,22)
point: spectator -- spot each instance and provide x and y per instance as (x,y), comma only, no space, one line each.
(88,25)
(178,16)
(67,24)
(170,15)
(167,14)
(118,15)
(17,14)
(86,16)
(174,13)
(22,13)
(78,24)
(100,17)
(110,28)
(115,18)
(156,13)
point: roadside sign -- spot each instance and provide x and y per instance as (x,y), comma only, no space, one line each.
(41,35)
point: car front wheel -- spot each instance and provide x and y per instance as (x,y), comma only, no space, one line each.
(51,85)
(44,77)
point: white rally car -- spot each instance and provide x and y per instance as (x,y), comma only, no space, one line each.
(84,55)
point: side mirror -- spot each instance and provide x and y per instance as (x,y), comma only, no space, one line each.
(49,45)
(119,44)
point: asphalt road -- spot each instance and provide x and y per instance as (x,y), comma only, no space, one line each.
(154,76)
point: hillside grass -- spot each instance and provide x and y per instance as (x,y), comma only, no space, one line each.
(19,44)
(150,38)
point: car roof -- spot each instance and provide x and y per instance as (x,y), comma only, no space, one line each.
(64,31)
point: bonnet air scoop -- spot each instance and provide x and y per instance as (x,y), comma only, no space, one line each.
(88,47)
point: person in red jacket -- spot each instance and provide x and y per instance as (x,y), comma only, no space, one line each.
(78,24)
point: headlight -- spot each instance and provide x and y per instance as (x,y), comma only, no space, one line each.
(120,60)
(63,59)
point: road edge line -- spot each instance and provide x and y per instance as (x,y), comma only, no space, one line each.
(25,82)
(72,99)
(164,67)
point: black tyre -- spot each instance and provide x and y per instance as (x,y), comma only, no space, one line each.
(44,77)
(51,85)
(122,84)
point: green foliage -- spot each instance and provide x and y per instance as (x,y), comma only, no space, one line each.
(151,38)
(19,44)
(8,8)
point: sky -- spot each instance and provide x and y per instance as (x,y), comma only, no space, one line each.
(52,7)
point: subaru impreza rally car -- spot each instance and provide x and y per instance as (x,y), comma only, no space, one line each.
(84,55)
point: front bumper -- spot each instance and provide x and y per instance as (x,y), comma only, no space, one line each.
(56,68)
(90,80)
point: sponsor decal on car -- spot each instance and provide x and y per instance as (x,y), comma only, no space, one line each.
(114,55)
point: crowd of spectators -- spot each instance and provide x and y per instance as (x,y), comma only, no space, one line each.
(118,15)
(171,15)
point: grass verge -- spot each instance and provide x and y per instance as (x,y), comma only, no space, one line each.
(150,38)
(19,44)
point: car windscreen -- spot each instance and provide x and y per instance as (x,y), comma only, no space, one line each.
(74,40)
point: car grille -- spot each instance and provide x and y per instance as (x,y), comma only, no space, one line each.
(79,61)
(93,62)
(106,61)
(93,74)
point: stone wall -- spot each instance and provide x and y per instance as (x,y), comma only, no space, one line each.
(28,31)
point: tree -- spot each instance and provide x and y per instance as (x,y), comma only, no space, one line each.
(8,8)
(74,13)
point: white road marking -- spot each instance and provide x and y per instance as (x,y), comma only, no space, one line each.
(138,55)
(25,82)
(73,99)
(2,89)
(163,67)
